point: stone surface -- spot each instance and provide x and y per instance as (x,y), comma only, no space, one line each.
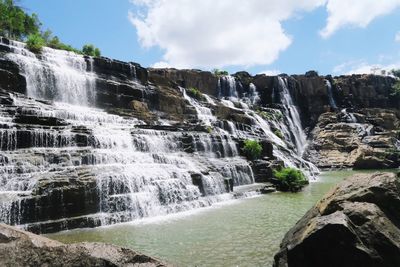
(20,248)
(356,224)
(369,143)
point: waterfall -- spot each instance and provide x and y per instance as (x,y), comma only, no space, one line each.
(133,171)
(293,117)
(227,87)
(49,74)
(348,116)
(204,114)
(138,172)
(331,99)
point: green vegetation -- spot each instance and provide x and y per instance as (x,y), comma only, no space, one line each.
(195,93)
(290,179)
(396,86)
(35,42)
(91,50)
(278,133)
(16,24)
(252,149)
(209,129)
(218,72)
(270,115)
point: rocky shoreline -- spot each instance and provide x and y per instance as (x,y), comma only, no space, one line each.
(20,249)
(356,224)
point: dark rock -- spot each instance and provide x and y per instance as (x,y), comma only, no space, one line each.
(356,224)
(20,248)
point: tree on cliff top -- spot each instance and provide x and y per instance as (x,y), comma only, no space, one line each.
(15,23)
(91,50)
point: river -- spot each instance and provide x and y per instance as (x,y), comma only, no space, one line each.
(243,232)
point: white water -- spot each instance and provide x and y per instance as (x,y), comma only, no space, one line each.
(55,74)
(293,118)
(331,99)
(139,173)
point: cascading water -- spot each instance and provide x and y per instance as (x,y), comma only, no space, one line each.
(289,125)
(293,117)
(55,74)
(331,99)
(138,172)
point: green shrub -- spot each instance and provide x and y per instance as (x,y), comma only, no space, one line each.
(278,133)
(290,179)
(91,50)
(396,89)
(195,93)
(35,43)
(218,72)
(252,149)
(270,115)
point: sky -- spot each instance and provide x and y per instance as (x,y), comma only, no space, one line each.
(259,36)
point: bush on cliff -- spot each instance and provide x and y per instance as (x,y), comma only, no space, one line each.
(252,149)
(195,93)
(35,43)
(91,50)
(290,179)
(218,72)
(396,86)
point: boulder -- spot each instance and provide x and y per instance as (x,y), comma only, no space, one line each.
(355,224)
(26,249)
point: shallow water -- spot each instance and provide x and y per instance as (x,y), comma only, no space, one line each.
(239,233)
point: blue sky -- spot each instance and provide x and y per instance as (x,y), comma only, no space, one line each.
(259,36)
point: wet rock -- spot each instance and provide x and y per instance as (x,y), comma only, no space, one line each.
(355,224)
(27,249)
(268,189)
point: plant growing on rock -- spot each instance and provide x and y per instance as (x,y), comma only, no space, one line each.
(252,149)
(396,85)
(290,179)
(218,72)
(91,50)
(195,93)
(278,133)
(35,43)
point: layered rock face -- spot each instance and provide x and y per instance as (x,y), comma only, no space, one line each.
(94,141)
(356,224)
(19,248)
(366,139)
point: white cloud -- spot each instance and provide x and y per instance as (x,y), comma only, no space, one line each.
(209,33)
(397,37)
(355,13)
(270,72)
(363,67)
(161,65)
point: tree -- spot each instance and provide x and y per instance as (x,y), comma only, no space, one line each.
(91,50)
(15,23)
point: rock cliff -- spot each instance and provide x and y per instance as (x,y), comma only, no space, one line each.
(356,224)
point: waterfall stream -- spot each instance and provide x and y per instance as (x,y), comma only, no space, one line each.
(55,135)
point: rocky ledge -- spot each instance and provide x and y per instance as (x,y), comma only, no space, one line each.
(27,249)
(356,224)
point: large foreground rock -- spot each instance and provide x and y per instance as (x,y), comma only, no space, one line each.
(20,248)
(356,224)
